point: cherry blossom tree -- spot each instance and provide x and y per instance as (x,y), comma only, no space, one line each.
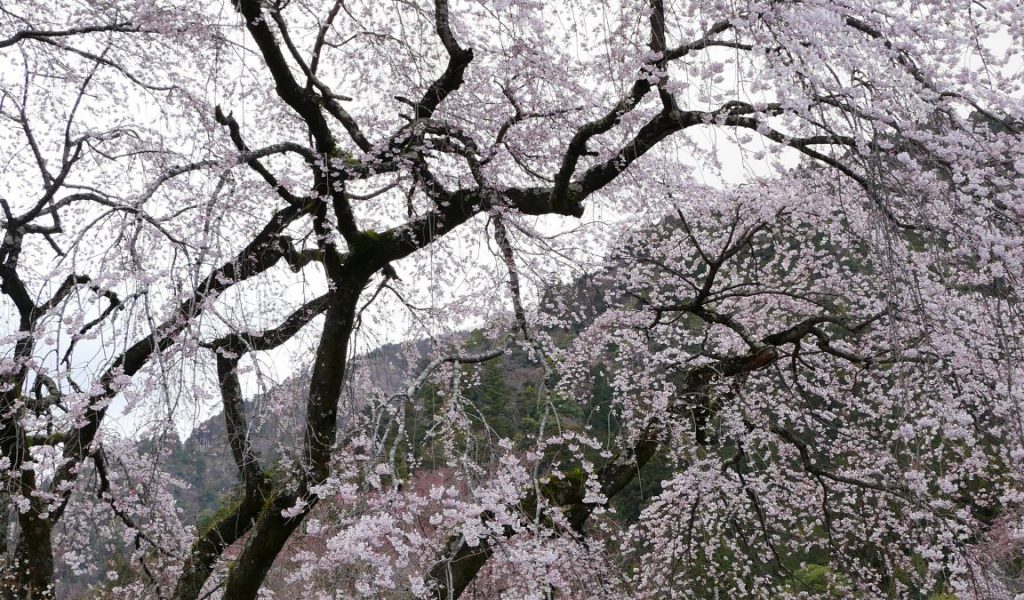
(803,220)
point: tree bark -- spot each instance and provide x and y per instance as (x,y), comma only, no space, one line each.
(273,529)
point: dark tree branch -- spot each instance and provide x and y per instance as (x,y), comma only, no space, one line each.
(458,59)
(48,34)
(242,343)
(256,485)
(329,98)
(288,89)
(236,137)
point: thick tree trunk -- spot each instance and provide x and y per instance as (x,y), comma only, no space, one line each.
(207,550)
(273,529)
(30,574)
(33,558)
(269,536)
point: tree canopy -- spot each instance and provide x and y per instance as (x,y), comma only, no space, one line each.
(686,298)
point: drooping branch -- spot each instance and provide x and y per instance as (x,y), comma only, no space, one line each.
(460,562)
(261,253)
(104,493)
(100,59)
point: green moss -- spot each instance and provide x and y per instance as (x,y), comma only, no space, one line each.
(366,241)
(814,577)
(227,508)
(347,158)
(568,490)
